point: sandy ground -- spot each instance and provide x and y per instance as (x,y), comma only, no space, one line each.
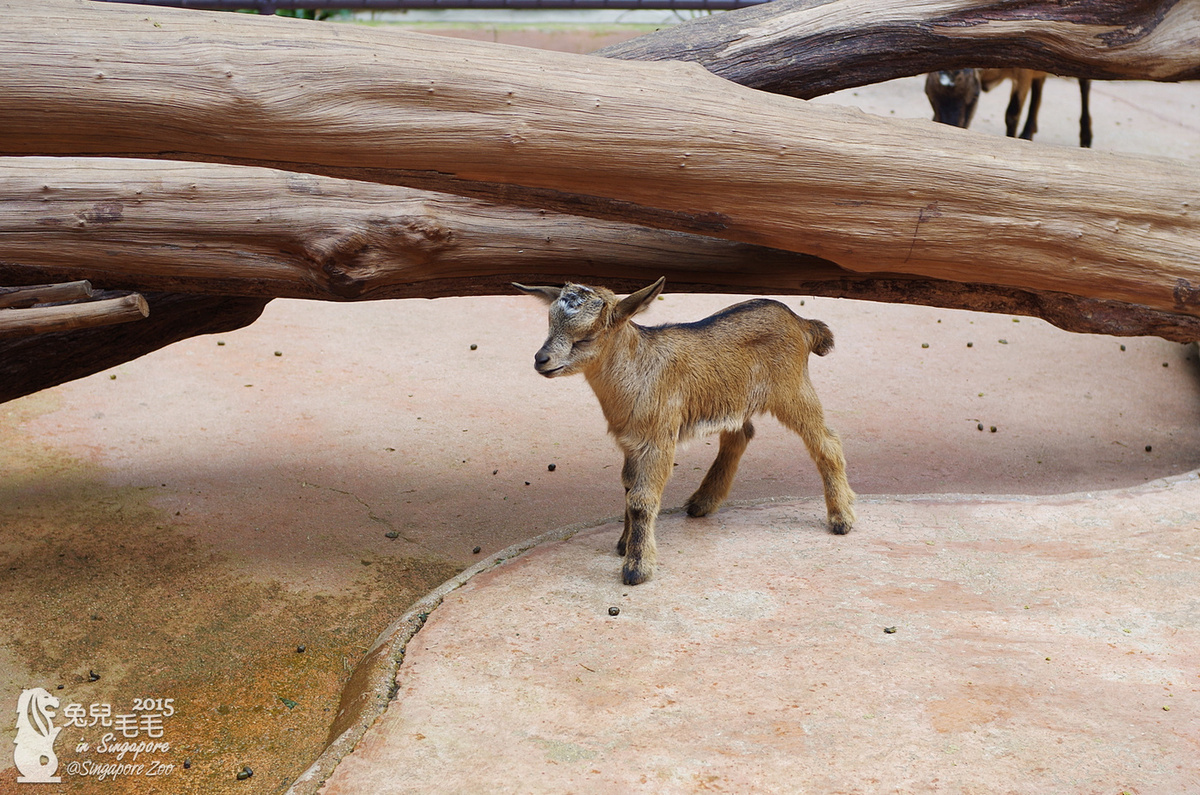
(182,525)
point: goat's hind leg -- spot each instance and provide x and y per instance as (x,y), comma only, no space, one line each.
(804,415)
(716,484)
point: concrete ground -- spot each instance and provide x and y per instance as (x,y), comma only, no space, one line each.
(232,522)
(953,643)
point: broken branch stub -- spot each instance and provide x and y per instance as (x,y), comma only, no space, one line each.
(69,317)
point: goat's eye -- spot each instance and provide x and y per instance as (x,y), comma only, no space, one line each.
(581,344)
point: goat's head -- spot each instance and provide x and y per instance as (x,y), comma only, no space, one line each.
(581,318)
(953,93)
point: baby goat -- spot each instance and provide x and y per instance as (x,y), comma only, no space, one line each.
(661,385)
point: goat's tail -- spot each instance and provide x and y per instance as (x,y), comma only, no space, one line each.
(819,337)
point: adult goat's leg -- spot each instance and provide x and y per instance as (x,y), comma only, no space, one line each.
(1085,113)
(716,484)
(1012,114)
(650,468)
(1035,102)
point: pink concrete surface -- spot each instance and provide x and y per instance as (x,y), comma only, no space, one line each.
(1040,645)
(1048,642)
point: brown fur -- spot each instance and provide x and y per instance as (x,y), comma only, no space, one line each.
(662,385)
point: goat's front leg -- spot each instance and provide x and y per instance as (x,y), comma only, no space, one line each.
(1035,102)
(627,477)
(646,472)
(1012,114)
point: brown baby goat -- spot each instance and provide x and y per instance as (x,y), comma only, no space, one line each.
(661,385)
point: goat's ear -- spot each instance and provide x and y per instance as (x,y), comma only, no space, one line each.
(547,294)
(631,304)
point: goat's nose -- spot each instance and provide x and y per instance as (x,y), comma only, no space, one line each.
(540,359)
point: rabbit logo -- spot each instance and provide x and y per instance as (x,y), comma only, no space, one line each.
(36,733)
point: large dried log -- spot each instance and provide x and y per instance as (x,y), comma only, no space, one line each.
(236,230)
(806,48)
(680,148)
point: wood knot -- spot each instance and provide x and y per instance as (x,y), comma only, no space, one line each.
(353,259)
(1185,294)
(102,213)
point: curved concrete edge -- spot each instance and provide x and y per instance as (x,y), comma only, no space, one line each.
(372,684)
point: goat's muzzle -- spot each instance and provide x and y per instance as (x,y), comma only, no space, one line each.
(541,363)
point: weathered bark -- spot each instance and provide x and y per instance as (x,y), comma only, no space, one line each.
(28,364)
(681,149)
(235,230)
(806,48)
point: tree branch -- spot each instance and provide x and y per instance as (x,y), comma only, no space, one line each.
(806,48)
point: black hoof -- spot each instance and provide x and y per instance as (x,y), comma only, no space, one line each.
(635,573)
(839,526)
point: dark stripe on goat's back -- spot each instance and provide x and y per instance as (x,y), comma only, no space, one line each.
(728,313)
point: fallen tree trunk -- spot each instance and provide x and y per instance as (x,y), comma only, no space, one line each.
(236,230)
(807,48)
(680,148)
